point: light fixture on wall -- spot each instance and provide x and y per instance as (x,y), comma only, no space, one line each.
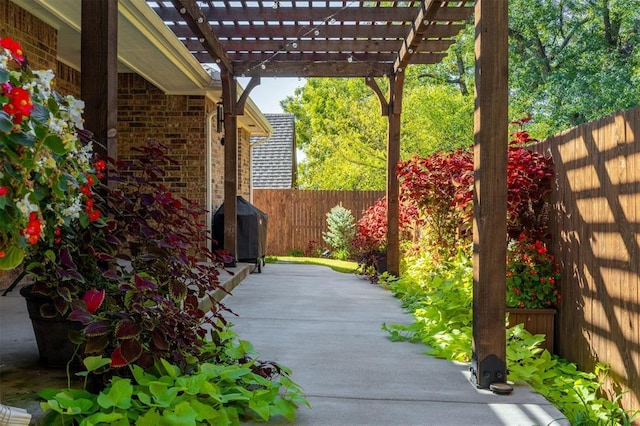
(219,117)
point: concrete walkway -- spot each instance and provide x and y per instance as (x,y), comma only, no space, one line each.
(326,327)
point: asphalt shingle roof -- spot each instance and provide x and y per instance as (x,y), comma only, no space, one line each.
(273,162)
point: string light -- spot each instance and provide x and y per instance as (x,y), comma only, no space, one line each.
(313,30)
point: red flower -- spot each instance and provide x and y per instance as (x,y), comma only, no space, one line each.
(86,190)
(33,228)
(94,215)
(93,298)
(19,104)
(3,191)
(14,47)
(100,165)
(2,254)
(117,360)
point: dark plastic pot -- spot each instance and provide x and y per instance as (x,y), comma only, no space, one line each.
(52,334)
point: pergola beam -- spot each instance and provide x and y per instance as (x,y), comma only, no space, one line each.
(191,13)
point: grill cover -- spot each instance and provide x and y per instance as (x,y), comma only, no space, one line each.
(251,230)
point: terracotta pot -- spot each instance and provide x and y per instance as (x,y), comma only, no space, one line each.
(536,321)
(52,334)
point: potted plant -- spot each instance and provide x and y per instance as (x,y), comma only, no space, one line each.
(49,223)
(532,287)
(46,175)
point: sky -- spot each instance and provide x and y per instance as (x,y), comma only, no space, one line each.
(268,94)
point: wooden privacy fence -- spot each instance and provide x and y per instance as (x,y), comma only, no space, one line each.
(297,217)
(596,231)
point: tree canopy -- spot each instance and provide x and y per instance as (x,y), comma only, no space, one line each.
(571,61)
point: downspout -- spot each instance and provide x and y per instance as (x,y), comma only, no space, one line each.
(253,145)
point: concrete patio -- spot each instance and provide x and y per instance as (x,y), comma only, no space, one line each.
(326,327)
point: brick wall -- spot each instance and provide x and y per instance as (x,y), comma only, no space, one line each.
(145,112)
(39,41)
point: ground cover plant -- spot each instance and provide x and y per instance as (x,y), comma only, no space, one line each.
(224,385)
(440,299)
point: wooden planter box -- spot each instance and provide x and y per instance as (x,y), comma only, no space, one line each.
(536,321)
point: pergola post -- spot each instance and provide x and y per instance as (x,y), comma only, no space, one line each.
(229,98)
(490,196)
(396,83)
(99,72)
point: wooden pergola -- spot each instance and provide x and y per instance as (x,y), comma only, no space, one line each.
(369,40)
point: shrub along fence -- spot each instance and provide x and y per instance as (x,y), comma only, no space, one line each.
(596,235)
(298,217)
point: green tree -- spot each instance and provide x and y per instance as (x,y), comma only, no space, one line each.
(573,61)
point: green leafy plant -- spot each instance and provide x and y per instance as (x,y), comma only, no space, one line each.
(532,275)
(575,392)
(440,299)
(224,387)
(340,231)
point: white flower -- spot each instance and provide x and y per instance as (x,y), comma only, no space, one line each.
(56,125)
(73,211)
(25,205)
(42,82)
(73,112)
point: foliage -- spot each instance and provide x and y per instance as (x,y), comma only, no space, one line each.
(574,392)
(573,61)
(47,176)
(532,275)
(224,387)
(341,230)
(440,299)
(340,129)
(441,186)
(370,241)
(163,269)
(342,133)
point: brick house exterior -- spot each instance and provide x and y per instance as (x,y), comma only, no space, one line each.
(146,112)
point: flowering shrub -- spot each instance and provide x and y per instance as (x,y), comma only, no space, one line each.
(532,275)
(47,176)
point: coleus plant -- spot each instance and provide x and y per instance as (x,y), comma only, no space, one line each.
(441,186)
(163,269)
